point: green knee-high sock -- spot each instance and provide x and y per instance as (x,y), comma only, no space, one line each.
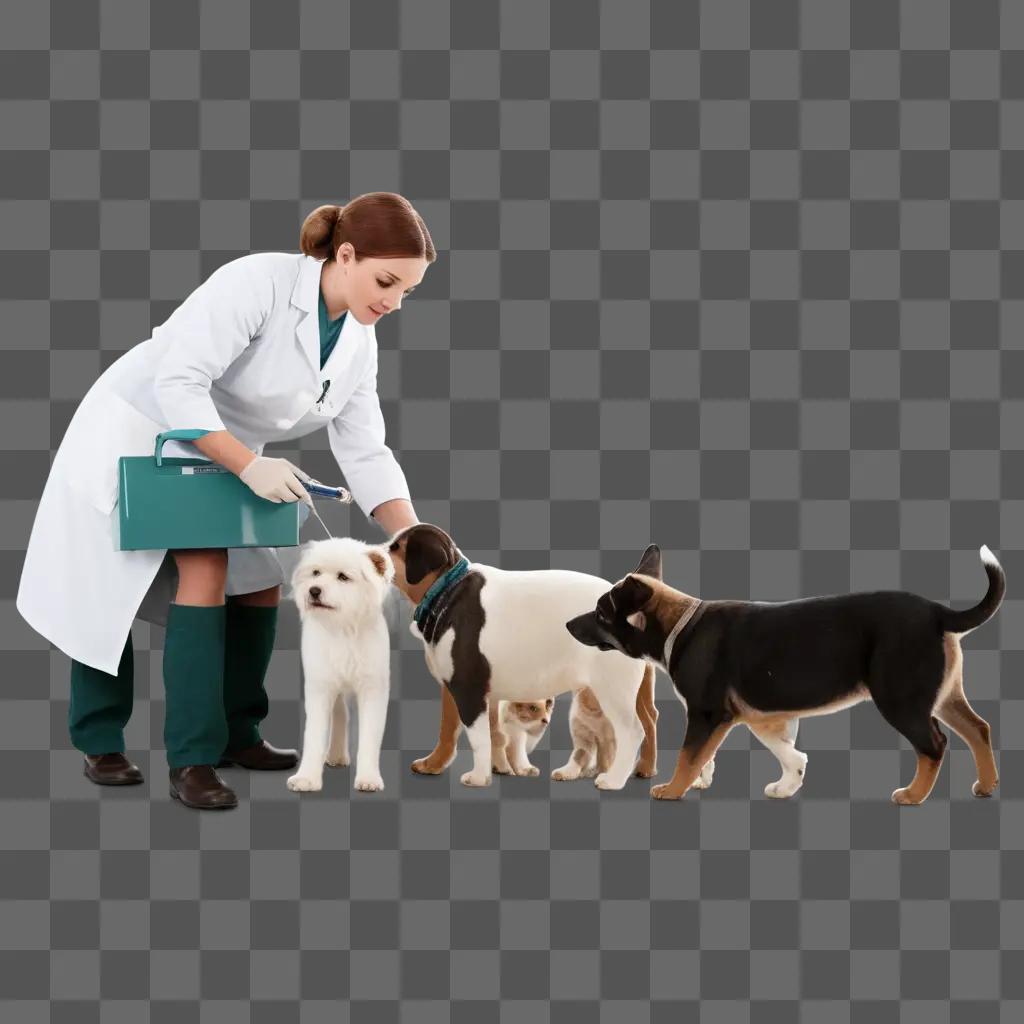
(249,643)
(195,729)
(101,705)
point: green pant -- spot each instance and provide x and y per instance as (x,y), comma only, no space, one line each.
(101,705)
(215,661)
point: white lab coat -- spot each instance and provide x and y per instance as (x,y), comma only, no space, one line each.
(241,353)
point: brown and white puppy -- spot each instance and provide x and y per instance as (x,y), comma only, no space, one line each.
(495,635)
(517,726)
(593,739)
(764,663)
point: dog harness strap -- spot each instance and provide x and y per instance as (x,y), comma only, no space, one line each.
(676,630)
(442,583)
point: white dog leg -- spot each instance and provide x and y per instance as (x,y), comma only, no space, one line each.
(310,774)
(782,743)
(579,763)
(520,760)
(707,773)
(372,701)
(619,705)
(479,734)
(337,752)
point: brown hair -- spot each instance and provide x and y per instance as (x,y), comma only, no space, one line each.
(379,224)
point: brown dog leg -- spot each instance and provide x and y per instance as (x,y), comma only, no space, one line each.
(929,761)
(698,748)
(499,742)
(976,733)
(444,753)
(647,764)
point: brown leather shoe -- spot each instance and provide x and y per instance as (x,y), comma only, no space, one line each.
(262,757)
(199,786)
(111,770)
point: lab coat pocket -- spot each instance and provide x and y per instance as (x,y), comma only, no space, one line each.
(104,428)
(338,394)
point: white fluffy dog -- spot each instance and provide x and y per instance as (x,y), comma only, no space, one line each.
(339,586)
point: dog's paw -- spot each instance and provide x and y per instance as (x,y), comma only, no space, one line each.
(781,789)
(472,779)
(427,766)
(338,760)
(369,783)
(527,770)
(605,781)
(904,796)
(561,775)
(304,784)
(502,769)
(978,790)
(663,792)
(707,773)
(644,771)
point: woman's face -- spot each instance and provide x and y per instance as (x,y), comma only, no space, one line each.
(375,287)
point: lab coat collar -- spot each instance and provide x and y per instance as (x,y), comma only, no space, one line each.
(306,296)
(306,292)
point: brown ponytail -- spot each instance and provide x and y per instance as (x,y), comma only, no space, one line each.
(379,224)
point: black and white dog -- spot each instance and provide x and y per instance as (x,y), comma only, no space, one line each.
(766,664)
(491,634)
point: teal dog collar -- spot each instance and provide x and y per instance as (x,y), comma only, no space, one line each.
(438,587)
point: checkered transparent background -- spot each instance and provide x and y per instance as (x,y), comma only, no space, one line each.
(742,278)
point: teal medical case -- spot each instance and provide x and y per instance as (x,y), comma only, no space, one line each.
(196,503)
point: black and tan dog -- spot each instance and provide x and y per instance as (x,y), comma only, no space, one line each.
(764,664)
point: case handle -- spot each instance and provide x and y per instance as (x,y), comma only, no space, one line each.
(190,434)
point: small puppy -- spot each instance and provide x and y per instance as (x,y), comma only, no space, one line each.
(339,587)
(593,739)
(516,728)
(764,663)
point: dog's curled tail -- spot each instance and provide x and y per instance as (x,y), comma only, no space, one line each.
(970,618)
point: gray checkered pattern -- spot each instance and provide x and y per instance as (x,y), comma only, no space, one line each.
(746,279)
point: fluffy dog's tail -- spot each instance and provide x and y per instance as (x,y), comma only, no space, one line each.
(970,618)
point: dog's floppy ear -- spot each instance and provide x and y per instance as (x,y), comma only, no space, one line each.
(650,562)
(631,595)
(426,550)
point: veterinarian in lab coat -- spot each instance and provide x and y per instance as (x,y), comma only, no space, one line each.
(246,357)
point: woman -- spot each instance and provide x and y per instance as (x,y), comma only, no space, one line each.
(272,347)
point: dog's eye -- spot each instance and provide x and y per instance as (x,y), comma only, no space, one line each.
(342,577)
(316,572)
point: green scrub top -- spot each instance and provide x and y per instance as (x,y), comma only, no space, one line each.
(329,331)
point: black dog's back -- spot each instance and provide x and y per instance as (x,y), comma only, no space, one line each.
(807,653)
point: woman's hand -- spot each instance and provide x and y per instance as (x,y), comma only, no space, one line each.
(276,480)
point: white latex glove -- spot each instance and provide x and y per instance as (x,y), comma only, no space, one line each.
(276,480)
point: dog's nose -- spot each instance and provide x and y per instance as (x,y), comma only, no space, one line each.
(314,592)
